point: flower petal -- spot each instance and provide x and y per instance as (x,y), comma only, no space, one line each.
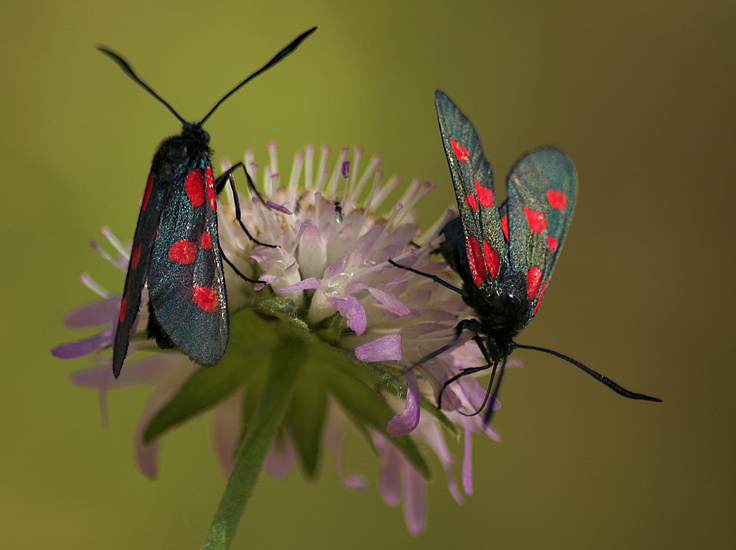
(312,253)
(147,455)
(337,268)
(94,314)
(393,304)
(467,469)
(224,430)
(335,435)
(80,348)
(306,284)
(432,434)
(385,348)
(353,312)
(415,500)
(389,471)
(278,207)
(146,371)
(407,421)
(281,457)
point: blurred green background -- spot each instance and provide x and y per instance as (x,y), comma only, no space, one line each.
(640,96)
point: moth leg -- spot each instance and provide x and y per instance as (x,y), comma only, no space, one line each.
(434,278)
(238,273)
(221,180)
(465,324)
(226,177)
(493,394)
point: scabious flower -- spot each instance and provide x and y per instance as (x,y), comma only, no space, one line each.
(351,327)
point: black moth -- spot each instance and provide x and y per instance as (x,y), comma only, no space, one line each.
(503,254)
(176,250)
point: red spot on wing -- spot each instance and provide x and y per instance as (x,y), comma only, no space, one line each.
(541,295)
(135,258)
(460,152)
(505,226)
(471,202)
(485,195)
(492,261)
(536,220)
(205,298)
(210,181)
(122,309)
(183,252)
(206,240)
(533,281)
(147,193)
(557,200)
(552,243)
(475,260)
(194,187)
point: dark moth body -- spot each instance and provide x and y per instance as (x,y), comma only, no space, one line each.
(176,248)
(502,309)
(177,252)
(504,254)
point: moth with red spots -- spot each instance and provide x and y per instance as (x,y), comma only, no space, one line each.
(504,254)
(176,249)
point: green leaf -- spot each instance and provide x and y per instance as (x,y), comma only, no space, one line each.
(306,418)
(207,387)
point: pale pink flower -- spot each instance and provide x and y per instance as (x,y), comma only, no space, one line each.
(366,322)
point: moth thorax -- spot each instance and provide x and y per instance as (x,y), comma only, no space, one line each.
(196,134)
(502,308)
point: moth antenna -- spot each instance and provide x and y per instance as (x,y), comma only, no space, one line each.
(286,50)
(127,69)
(493,394)
(598,376)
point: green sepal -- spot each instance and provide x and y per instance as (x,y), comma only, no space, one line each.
(334,330)
(352,382)
(305,419)
(207,387)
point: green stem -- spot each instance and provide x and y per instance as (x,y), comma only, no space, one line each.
(289,356)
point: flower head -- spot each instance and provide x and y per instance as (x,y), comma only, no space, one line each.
(328,303)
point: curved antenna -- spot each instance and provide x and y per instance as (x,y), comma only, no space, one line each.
(491,393)
(604,379)
(127,69)
(286,50)
(494,394)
